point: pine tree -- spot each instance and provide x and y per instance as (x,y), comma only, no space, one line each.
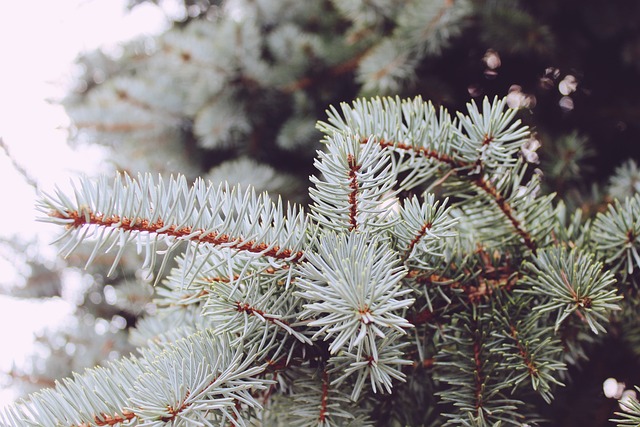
(383,303)
(484,312)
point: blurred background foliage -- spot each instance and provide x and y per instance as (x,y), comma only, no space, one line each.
(232,91)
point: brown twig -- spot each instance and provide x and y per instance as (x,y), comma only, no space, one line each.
(87,217)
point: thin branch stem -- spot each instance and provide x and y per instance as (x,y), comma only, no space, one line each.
(353,184)
(325,396)
(526,356)
(87,217)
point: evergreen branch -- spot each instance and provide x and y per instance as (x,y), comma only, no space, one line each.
(168,327)
(425,153)
(380,365)
(200,270)
(314,401)
(494,136)
(124,95)
(245,306)
(352,287)
(427,27)
(322,298)
(467,363)
(86,217)
(324,396)
(195,380)
(115,127)
(357,180)
(386,67)
(423,227)
(533,354)
(507,210)
(574,283)
(476,179)
(353,185)
(616,235)
(487,141)
(173,212)
(478,278)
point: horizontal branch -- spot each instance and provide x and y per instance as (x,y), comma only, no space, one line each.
(87,217)
(112,420)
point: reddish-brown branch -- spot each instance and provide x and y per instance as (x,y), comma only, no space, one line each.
(220,279)
(434,21)
(426,363)
(117,419)
(325,396)
(424,152)
(112,420)
(418,236)
(243,307)
(581,302)
(272,387)
(125,96)
(86,217)
(485,282)
(353,184)
(488,139)
(506,208)
(174,412)
(526,357)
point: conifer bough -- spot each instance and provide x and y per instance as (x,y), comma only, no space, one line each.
(428,283)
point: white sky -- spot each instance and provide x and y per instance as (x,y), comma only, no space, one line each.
(38,41)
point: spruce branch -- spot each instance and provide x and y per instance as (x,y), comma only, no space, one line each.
(427,27)
(340,303)
(423,229)
(314,402)
(334,71)
(357,179)
(468,362)
(481,151)
(625,182)
(532,353)
(196,378)
(353,288)
(616,235)
(173,212)
(575,284)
